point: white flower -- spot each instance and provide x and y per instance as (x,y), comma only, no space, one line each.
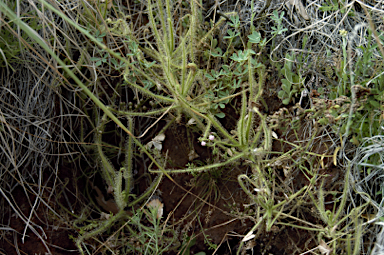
(191,122)
(156,142)
(248,236)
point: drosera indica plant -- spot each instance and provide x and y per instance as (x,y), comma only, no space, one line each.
(178,90)
(177,80)
(167,71)
(246,142)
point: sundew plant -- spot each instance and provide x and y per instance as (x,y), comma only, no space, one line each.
(280,107)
